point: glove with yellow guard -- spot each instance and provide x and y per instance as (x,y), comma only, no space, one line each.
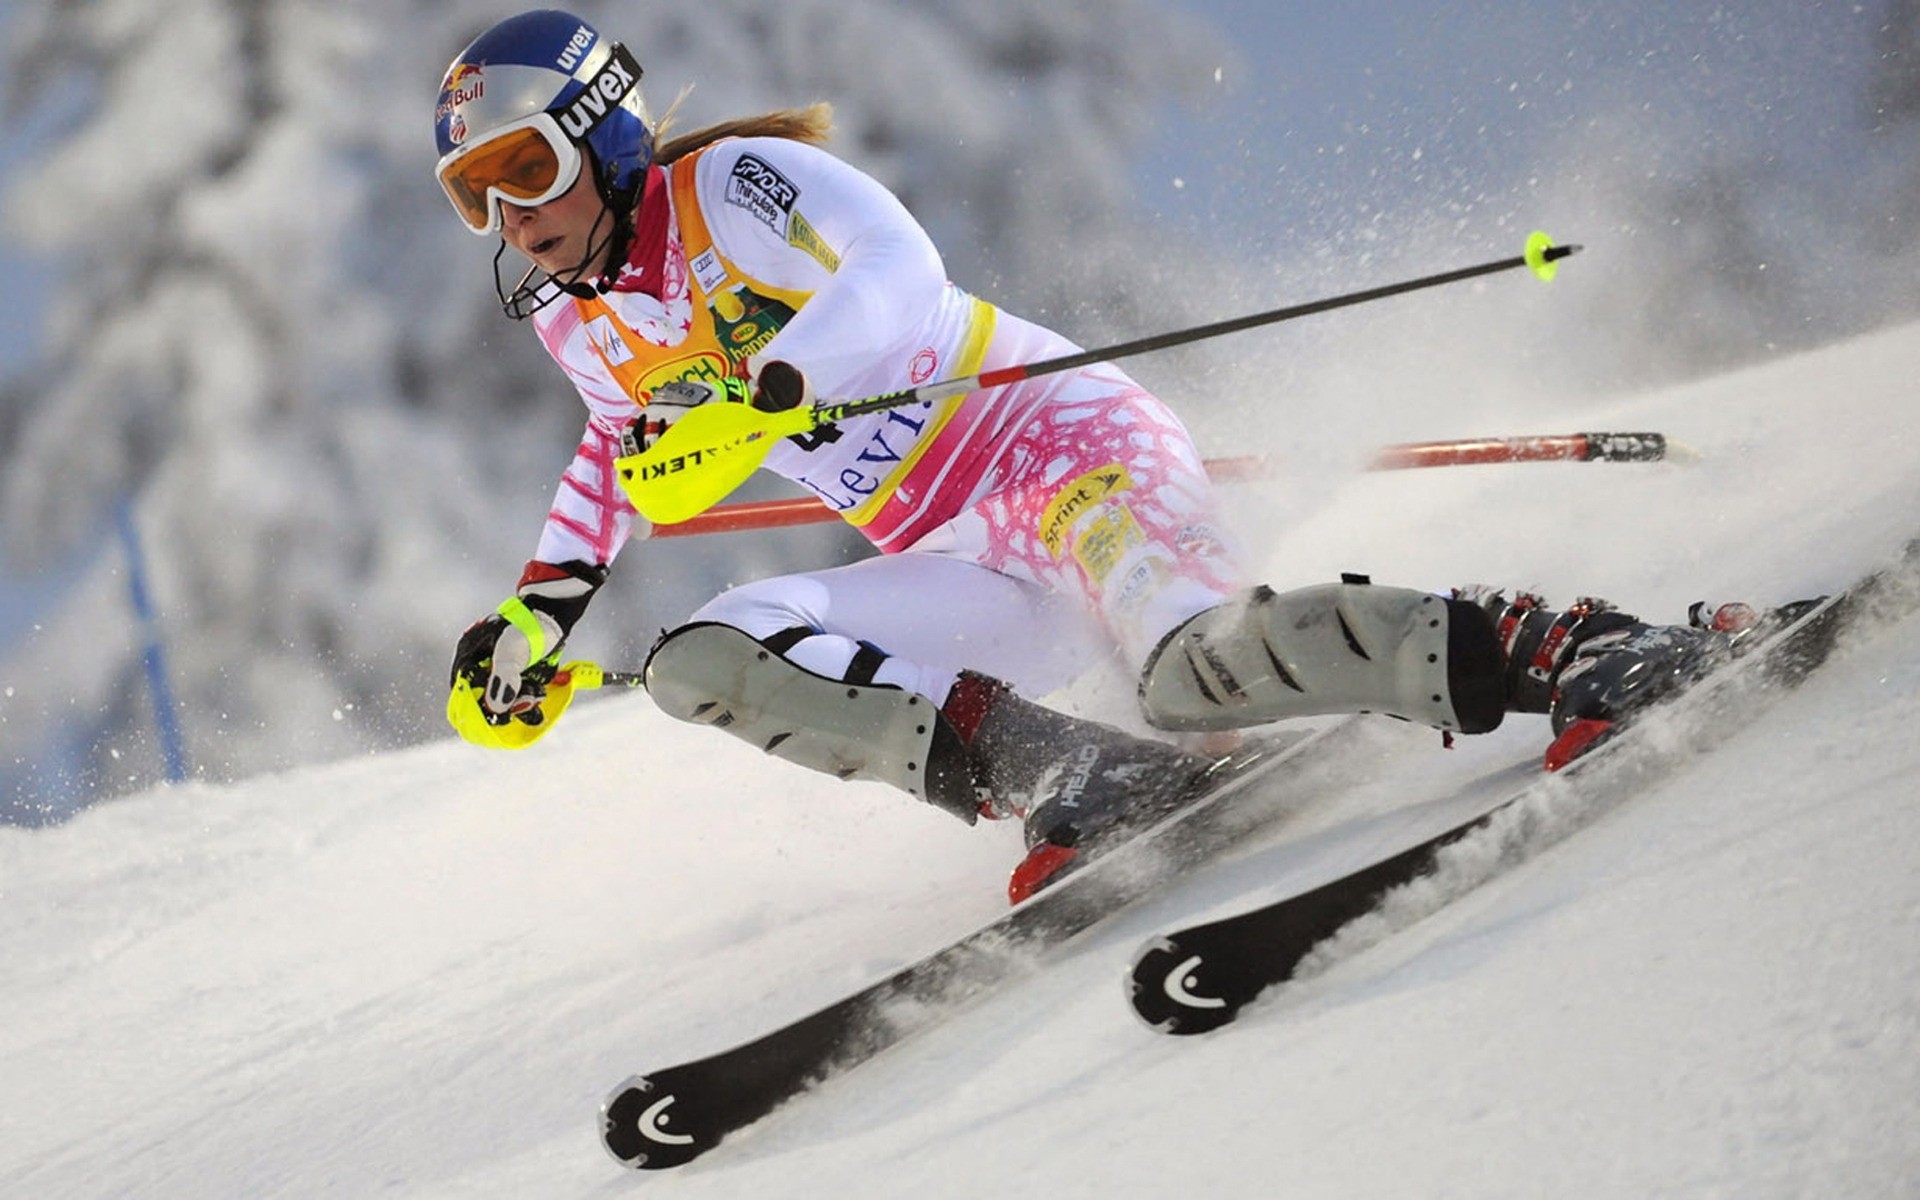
(507,687)
(774,386)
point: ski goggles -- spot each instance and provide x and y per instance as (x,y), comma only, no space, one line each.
(528,162)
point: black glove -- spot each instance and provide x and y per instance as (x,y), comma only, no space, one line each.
(510,654)
(779,386)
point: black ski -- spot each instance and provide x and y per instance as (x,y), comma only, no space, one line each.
(669,1117)
(1199,978)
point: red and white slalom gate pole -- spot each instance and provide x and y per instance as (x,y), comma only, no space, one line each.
(1564,447)
(1567,447)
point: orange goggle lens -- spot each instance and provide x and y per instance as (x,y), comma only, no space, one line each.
(529,165)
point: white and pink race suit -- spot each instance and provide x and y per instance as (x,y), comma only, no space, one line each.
(1003,517)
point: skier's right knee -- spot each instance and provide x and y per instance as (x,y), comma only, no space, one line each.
(713,674)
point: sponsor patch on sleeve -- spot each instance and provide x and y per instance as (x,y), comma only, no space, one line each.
(755,186)
(802,235)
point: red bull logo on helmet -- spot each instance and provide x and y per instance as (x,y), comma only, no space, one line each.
(465,83)
(459,73)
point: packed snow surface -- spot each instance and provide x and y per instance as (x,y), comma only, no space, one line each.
(417,974)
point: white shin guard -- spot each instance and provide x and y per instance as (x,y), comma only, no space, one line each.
(1335,648)
(713,674)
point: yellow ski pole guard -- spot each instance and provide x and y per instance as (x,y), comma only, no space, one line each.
(469,719)
(703,457)
(1538,243)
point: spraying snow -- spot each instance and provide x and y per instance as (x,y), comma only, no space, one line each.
(417,973)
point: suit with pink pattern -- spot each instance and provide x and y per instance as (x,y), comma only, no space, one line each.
(1023,531)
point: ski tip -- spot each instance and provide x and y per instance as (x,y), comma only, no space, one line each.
(638,1128)
(1168,991)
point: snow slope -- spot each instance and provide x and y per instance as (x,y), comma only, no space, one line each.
(416,975)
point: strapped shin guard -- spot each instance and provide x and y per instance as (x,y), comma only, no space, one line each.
(713,674)
(1336,648)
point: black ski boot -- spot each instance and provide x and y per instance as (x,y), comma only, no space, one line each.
(1592,667)
(1079,786)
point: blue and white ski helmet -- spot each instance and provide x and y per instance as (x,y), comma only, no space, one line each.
(554,62)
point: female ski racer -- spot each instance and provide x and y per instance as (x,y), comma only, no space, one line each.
(742,264)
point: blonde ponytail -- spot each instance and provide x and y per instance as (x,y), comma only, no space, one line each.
(812,124)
